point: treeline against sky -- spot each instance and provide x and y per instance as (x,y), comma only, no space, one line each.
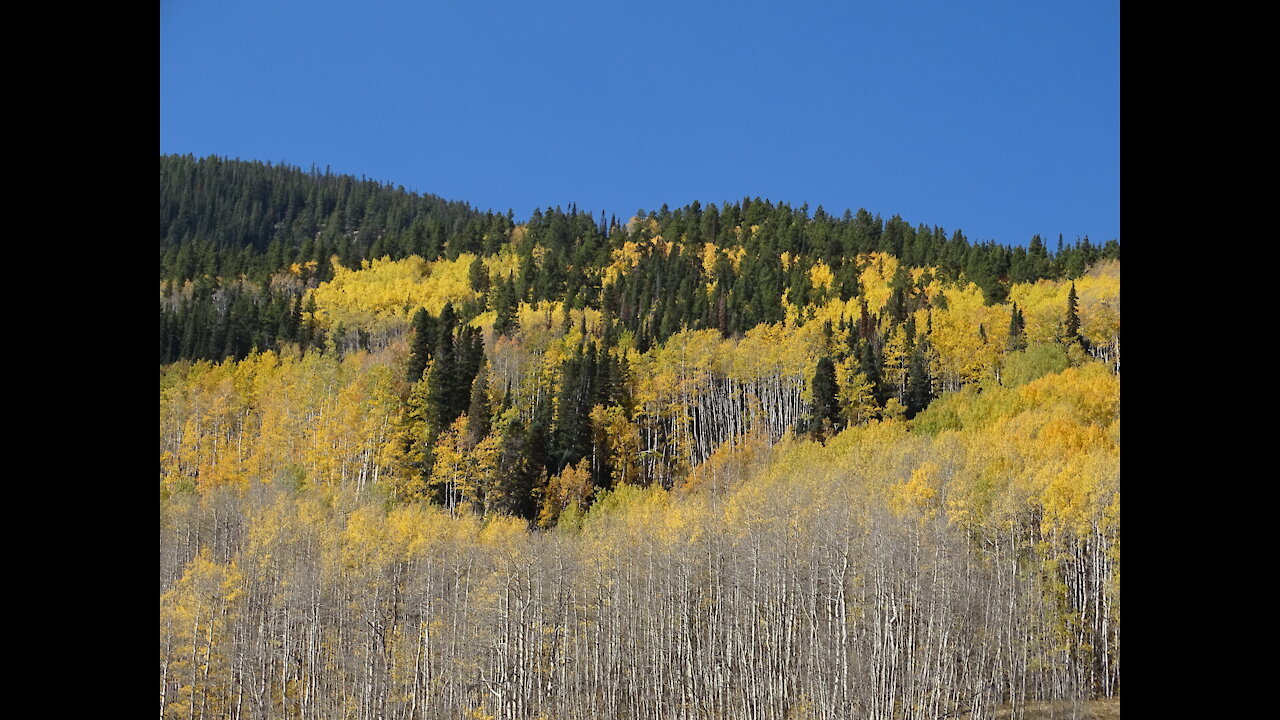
(230,227)
(734,461)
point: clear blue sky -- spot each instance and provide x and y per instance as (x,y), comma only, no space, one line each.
(1000,117)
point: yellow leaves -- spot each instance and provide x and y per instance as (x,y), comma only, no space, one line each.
(878,269)
(385,293)
(894,410)
(506,263)
(710,253)
(1079,496)
(803,709)
(730,464)
(735,255)
(308,268)
(963,357)
(1099,299)
(773,350)
(642,224)
(314,416)
(364,540)
(650,516)
(571,488)
(195,643)
(820,275)
(1060,435)
(916,494)
(855,393)
(1044,305)
(207,589)
(619,440)
(451,470)
(504,533)
(896,359)
(623,260)
(1089,392)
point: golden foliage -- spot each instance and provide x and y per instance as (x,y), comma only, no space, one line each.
(385,293)
(820,276)
(570,489)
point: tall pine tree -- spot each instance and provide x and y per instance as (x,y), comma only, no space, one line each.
(825,417)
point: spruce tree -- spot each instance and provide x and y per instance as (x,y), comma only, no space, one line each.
(1071,323)
(919,385)
(1017,330)
(826,410)
(420,348)
(869,365)
(478,414)
(477,276)
(504,305)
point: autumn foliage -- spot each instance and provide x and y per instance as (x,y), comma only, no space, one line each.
(516,479)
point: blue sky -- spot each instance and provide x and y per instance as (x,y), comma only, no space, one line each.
(998,117)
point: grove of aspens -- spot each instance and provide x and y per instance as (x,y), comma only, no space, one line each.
(735,460)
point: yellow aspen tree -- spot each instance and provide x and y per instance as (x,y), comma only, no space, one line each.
(896,361)
(449,474)
(196,615)
(618,440)
(855,394)
(571,488)
(481,473)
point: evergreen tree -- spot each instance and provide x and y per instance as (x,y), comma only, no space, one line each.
(468,358)
(1017,330)
(1071,322)
(505,305)
(477,276)
(825,416)
(424,332)
(514,485)
(919,384)
(478,415)
(414,438)
(869,365)
(572,436)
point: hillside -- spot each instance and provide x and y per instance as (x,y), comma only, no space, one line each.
(735,461)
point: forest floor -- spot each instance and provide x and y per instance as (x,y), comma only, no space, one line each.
(1105,709)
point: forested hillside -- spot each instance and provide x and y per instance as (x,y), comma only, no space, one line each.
(734,461)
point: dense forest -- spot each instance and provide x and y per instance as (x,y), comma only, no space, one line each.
(725,461)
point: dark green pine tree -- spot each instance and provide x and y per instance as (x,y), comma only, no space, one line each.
(293,321)
(307,335)
(1071,323)
(165,334)
(516,481)
(468,358)
(825,416)
(504,305)
(478,277)
(919,384)
(478,412)
(536,451)
(424,332)
(1017,330)
(572,435)
(440,389)
(869,365)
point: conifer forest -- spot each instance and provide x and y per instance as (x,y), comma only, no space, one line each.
(726,461)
